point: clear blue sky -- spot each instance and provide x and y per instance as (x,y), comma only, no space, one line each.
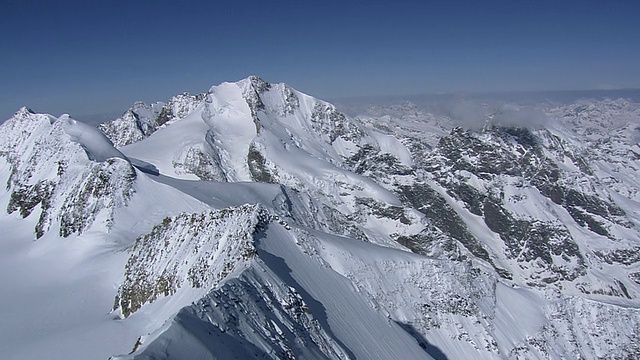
(84,57)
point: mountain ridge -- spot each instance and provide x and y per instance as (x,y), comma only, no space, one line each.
(224,208)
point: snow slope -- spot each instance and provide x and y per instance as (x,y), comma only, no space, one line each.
(255,221)
(343,323)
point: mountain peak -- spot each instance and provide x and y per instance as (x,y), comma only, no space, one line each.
(255,80)
(24,110)
(250,82)
(25,114)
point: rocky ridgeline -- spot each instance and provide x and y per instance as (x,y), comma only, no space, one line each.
(142,120)
(53,175)
(507,176)
(189,250)
(245,311)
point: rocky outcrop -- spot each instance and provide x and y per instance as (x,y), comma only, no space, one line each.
(189,250)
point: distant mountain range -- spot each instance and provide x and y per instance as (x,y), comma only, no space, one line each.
(256,221)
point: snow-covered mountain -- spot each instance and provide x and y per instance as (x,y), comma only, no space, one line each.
(255,221)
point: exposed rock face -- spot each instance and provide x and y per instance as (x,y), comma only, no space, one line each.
(53,174)
(142,120)
(192,250)
(243,312)
(331,124)
(103,187)
(501,175)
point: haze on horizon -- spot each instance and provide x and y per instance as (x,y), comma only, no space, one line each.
(81,58)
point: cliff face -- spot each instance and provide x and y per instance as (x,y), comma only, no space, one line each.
(188,250)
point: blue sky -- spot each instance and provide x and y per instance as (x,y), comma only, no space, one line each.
(83,57)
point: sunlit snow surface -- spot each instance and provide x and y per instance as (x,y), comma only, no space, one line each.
(97,145)
(306,270)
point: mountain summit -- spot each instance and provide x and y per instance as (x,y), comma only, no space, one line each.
(255,221)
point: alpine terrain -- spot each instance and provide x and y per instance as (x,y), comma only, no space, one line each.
(254,221)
